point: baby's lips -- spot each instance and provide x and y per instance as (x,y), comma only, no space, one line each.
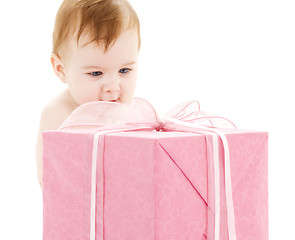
(111,100)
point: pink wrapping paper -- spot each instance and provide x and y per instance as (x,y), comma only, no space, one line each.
(155,185)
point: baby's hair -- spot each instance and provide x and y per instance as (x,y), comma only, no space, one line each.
(103,20)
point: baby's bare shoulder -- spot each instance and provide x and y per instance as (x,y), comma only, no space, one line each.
(56,111)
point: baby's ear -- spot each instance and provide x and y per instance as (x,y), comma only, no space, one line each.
(58,67)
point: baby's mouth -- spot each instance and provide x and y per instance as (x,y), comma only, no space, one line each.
(115,100)
(111,100)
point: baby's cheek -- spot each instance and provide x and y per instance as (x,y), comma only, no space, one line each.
(89,95)
(84,94)
(129,88)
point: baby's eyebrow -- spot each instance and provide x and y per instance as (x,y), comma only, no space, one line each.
(92,66)
(130,63)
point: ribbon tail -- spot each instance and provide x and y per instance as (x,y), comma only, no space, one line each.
(214,197)
(228,188)
(97,166)
(216,185)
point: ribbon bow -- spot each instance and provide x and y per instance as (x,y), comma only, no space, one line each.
(107,117)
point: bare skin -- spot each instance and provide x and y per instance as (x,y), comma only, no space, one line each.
(53,114)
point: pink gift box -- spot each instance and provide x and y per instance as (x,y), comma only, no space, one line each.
(155,186)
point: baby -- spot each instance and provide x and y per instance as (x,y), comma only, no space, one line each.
(95,51)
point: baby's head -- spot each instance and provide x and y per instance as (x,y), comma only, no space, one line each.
(95,49)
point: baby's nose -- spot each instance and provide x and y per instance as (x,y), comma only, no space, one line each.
(111,87)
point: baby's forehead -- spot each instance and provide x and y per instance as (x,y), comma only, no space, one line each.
(73,46)
(122,50)
(91,53)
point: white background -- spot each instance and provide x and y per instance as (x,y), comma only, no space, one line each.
(237,58)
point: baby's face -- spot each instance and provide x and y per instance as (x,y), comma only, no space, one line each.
(92,75)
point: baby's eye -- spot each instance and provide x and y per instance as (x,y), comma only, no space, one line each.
(124,70)
(95,74)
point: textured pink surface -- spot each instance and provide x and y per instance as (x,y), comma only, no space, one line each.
(156,185)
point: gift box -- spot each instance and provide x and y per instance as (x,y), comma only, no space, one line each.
(152,183)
